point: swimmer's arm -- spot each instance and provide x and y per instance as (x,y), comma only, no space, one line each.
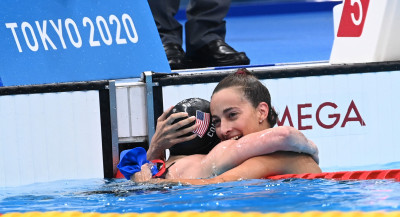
(283,138)
(253,168)
(167,134)
(231,153)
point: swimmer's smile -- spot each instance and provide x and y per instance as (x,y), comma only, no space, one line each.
(235,138)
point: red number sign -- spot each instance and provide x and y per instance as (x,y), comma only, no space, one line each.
(353,18)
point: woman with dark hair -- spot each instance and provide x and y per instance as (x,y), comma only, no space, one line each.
(250,147)
(249,92)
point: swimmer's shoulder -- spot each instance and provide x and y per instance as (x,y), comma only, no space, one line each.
(184,166)
(293,162)
(277,163)
(183,158)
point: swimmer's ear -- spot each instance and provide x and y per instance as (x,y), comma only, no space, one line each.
(262,110)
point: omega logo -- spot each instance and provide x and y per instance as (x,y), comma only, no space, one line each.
(287,117)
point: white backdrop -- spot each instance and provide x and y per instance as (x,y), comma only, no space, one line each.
(50,136)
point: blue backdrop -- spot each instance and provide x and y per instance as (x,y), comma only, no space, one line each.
(51,41)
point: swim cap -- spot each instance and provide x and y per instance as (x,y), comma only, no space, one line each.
(206,137)
(131,162)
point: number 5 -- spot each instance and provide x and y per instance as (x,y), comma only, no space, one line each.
(357,22)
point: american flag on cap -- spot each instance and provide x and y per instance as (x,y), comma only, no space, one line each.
(203,120)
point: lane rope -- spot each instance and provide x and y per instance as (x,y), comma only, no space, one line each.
(346,175)
(208,214)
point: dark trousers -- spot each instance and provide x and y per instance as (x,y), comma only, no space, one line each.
(205,22)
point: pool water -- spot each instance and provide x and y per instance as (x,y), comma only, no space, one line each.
(121,196)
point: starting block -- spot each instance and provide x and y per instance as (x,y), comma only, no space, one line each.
(366,31)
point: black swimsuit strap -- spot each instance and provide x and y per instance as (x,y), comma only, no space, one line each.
(166,171)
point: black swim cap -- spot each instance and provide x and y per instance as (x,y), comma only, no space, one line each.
(206,137)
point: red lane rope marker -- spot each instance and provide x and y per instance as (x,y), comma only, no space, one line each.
(345,175)
(342,175)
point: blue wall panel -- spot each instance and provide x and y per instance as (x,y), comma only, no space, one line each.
(51,41)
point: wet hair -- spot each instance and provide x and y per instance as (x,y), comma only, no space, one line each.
(253,90)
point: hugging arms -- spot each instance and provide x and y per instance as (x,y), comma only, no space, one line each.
(251,146)
(226,161)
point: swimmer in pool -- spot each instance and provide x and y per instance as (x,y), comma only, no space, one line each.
(250,147)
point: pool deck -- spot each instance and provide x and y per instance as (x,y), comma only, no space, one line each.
(281,32)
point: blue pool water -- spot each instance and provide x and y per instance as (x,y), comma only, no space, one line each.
(121,196)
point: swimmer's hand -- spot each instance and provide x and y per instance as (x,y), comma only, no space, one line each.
(143,175)
(168,134)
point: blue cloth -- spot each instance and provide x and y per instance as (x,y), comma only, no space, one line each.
(131,162)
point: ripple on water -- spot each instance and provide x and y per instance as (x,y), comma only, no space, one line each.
(117,195)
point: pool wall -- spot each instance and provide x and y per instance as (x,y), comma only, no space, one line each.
(57,131)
